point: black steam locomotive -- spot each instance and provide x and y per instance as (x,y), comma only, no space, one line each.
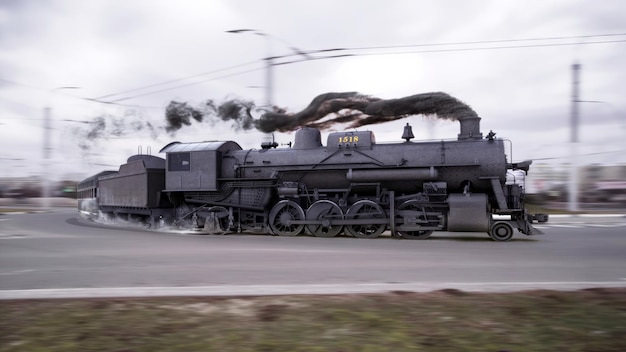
(352,185)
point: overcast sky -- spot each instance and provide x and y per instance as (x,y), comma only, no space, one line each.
(125,61)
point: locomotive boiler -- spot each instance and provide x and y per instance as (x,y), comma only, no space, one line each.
(352,185)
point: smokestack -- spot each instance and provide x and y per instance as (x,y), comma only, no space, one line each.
(470,128)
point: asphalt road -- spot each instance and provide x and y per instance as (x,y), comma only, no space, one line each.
(54,255)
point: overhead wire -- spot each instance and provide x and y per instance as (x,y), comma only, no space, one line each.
(184,85)
(578,155)
(485,41)
(116,101)
(446,50)
(178,79)
(94,100)
(328,50)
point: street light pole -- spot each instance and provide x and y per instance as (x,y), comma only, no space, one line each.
(47,149)
(572,203)
(269,62)
(269,75)
(47,127)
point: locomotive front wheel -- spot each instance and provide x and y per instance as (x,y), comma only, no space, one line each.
(324,211)
(501,232)
(282,216)
(365,209)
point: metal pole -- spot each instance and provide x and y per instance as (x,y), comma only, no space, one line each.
(47,149)
(47,127)
(269,61)
(573,179)
(269,78)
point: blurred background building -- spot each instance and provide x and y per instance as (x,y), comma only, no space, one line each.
(22,190)
(598,185)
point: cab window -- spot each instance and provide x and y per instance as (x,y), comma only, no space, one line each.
(178,162)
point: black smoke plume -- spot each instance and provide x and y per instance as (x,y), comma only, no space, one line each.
(361,110)
(237,111)
(179,114)
(109,126)
(324,112)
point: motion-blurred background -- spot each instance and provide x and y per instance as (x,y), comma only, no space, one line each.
(84,85)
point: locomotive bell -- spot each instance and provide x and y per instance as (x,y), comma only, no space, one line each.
(408,132)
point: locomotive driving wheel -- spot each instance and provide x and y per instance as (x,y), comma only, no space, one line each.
(282,216)
(324,211)
(365,209)
(418,234)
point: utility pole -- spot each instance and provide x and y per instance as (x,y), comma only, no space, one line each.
(269,61)
(269,78)
(47,149)
(573,176)
(269,67)
(47,127)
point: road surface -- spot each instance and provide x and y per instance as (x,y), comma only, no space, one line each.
(54,255)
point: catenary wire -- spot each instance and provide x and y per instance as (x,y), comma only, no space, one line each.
(320,51)
(362,54)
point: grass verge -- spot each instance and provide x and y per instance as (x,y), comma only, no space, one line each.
(447,320)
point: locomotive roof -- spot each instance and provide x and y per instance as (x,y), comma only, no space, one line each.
(222,146)
(91,180)
(149,161)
